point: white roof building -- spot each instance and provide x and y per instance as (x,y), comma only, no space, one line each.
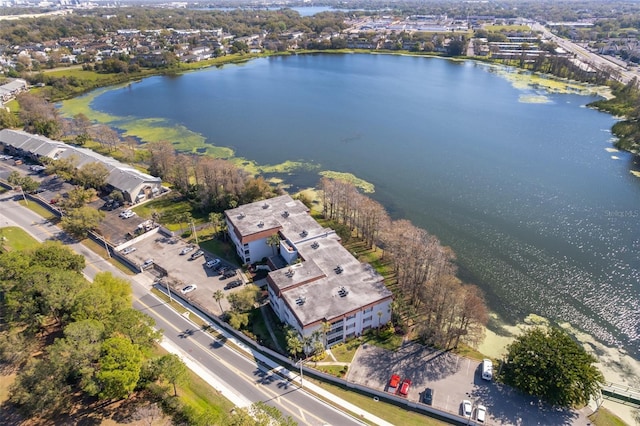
(314,279)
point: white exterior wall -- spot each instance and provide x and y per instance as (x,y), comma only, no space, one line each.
(257,249)
(288,256)
(232,235)
(351,327)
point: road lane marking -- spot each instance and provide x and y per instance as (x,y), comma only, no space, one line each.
(265,390)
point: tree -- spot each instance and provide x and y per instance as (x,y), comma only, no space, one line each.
(78,222)
(274,242)
(92,175)
(119,368)
(218,295)
(54,254)
(76,198)
(64,167)
(27,183)
(173,370)
(244,300)
(8,120)
(295,345)
(135,325)
(548,363)
(216,219)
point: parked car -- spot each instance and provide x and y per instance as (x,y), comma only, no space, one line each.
(128,250)
(466,408)
(127,214)
(394,381)
(147,263)
(481,413)
(427,397)
(197,254)
(229,273)
(188,289)
(404,387)
(233,284)
(186,250)
(213,263)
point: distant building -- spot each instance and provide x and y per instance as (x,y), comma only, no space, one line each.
(134,185)
(314,280)
(13,88)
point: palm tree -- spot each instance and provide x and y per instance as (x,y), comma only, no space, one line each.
(294,344)
(219,295)
(273,242)
(215,219)
(326,328)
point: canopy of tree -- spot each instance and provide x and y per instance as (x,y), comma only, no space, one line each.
(102,340)
(549,364)
(427,295)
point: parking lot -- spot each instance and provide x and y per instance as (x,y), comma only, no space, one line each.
(165,252)
(453,379)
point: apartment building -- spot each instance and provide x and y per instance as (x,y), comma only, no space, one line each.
(315,284)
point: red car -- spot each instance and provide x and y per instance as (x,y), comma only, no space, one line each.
(393,383)
(404,387)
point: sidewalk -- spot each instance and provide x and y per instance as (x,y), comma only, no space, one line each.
(340,404)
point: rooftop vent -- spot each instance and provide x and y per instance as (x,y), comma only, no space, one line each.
(290,273)
(285,214)
(260,224)
(265,206)
(315,245)
(338,269)
(241,215)
(343,292)
(300,301)
(304,233)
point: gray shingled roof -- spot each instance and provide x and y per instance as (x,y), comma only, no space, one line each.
(121,176)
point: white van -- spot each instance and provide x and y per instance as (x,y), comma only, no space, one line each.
(487,369)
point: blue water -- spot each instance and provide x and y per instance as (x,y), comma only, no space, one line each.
(540,215)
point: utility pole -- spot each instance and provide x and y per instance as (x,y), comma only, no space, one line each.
(106,247)
(193,229)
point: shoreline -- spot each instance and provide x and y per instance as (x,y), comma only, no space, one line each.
(616,365)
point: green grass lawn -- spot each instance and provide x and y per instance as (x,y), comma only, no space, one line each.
(391,344)
(15,238)
(604,417)
(391,413)
(100,250)
(345,352)
(220,248)
(172,209)
(40,211)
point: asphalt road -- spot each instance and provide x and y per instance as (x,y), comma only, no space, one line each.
(245,377)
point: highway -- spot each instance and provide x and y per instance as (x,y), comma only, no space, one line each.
(586,56)
(247,380)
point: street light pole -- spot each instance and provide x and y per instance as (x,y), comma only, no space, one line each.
(169,291)
(193,228)
(301,376)
(106,247)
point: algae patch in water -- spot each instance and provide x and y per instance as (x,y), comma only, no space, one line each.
(365,186)
(526,80)
(533,99)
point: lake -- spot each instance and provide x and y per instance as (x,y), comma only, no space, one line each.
(524,185)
